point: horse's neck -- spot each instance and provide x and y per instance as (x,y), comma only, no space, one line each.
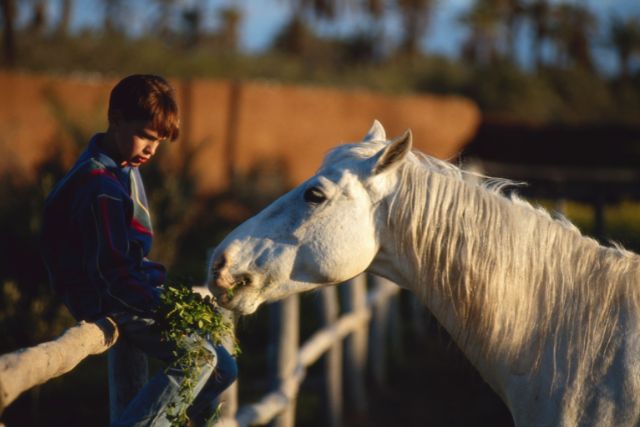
(495,274)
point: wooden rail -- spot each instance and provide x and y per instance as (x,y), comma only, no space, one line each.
(26,368)
(360,309)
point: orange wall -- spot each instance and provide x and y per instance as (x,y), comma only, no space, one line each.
(295,125)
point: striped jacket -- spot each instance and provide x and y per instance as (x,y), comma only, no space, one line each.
(96,234)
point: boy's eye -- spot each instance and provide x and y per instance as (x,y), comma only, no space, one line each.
(151,137)
(314,195)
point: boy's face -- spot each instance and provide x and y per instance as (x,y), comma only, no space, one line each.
(135,142)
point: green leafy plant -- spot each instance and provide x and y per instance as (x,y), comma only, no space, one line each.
(189,320)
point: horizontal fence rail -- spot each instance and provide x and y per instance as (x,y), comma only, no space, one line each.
(27,368)
(281,399)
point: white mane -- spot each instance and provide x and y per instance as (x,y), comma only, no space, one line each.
(514,274)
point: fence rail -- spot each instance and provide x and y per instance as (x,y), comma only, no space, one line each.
(275,404)
(27,368)
(354,339)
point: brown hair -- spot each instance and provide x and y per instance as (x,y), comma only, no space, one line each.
(147,98)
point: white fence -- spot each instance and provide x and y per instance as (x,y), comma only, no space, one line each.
(361,312)
(353,341)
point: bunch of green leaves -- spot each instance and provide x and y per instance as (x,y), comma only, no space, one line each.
(189,320)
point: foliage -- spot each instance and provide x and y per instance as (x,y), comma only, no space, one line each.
(562,84)
(188,320)
(28,312)
(502,88)
(553,93)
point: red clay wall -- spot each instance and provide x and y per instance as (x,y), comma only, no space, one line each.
(294,125)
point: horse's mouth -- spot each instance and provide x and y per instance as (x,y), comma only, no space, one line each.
(237,297)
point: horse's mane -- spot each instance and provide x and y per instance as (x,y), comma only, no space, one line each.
(514,275)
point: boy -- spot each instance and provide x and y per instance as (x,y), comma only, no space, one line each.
(96,236)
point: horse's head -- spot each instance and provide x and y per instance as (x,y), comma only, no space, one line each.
(323,232)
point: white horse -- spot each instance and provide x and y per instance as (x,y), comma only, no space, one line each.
(548,317)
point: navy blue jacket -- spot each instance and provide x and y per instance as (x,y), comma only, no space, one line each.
(96,236)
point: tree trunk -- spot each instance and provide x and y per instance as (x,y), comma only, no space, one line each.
(38,17)
(65,17)
(8,32)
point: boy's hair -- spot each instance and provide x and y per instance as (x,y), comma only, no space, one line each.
(147,98)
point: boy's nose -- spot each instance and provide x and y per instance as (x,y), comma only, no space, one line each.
(150,149)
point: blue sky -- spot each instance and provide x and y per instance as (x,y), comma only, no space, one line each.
(263,18)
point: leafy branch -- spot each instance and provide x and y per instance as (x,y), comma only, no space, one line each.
(189,320)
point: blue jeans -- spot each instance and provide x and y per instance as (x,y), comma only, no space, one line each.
(149,407)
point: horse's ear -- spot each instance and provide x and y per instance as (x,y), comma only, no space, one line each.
(376,133)
(393,154)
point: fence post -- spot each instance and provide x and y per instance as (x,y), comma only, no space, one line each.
(378,336)
(128,373)
(329,311)
(285,327)
(354,297)
(394,332)
(418,317)
(229,398)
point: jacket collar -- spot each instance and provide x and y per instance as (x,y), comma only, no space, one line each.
(98,154)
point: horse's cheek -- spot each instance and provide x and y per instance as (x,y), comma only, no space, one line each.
(352,254)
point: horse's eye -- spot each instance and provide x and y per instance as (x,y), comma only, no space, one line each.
(314,195)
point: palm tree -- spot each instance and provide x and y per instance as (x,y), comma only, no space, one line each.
(231,19)
(512,12)
(571,30)
(298,35)
(375,7)
(112,16)
(415,18)
(625,38)
(539,12)
(324,9)
(65,17)
(164,12)
(484,22)
(38,17)
(191,25)
(295,38)
(8,10)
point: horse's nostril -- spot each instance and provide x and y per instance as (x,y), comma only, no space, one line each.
(218,267)
(223,278)
(242,280)
(220,263)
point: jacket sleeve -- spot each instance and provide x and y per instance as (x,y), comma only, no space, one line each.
(113,260)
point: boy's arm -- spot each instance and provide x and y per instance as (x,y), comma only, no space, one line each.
(116,262)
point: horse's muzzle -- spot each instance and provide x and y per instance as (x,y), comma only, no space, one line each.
(222,282)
